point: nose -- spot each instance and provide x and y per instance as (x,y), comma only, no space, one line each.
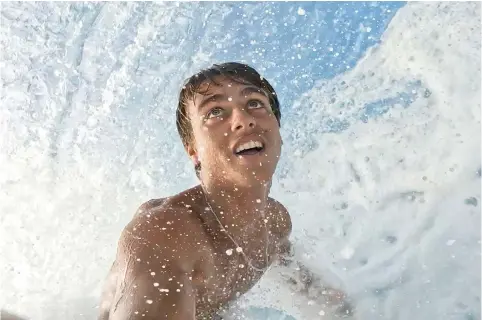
(242,120)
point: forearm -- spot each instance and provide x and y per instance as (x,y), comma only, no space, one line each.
(160,311)
(304,281)
(155,298)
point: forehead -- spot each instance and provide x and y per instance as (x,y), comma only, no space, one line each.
(221,87)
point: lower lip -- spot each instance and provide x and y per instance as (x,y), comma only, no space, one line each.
(250,153)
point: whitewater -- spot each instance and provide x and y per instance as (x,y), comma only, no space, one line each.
(380,169)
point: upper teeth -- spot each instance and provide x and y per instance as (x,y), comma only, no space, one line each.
(249,145)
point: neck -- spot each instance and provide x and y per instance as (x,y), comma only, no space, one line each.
(241,207)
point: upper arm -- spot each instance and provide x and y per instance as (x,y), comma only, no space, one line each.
(156,282)
(147,296)
(283,227)
(282,220)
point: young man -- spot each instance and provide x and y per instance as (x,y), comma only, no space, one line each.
(189,255)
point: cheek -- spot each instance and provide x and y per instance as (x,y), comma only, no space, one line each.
(277,142)
(274,131)
(211,143)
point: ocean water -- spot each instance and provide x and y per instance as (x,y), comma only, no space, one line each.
(381,160)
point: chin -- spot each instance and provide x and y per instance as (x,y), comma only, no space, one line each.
(256,173)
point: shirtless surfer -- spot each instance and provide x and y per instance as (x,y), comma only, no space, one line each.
(189,255)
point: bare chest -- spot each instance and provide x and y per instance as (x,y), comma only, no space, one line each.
(224,277)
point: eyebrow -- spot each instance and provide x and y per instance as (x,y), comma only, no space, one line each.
(245,92)
(249,90)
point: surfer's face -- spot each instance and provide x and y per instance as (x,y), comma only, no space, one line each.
(236,135)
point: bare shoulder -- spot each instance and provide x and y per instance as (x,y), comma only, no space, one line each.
(147,206)
(163,241)
(281,217)
(162,228)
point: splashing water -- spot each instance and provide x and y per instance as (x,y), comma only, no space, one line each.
(380,167)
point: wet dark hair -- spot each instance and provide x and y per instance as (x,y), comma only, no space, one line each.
(237,72)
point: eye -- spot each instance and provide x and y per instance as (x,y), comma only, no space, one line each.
(255,104)
(214,112)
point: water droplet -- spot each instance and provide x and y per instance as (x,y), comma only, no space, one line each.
(229,252)
(301,11)
(258,200)
(230,99)
(472,201)
(239,249)
(450,242)
(149,301)
(153,273)
(347,253)
(156,284)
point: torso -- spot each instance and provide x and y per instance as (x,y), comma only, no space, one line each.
(225,277)
(219,278)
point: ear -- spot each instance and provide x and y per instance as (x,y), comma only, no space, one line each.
(191,151)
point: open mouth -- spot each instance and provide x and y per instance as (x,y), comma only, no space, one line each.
(251,151)
(249,148)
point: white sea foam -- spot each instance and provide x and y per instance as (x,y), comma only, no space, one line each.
(374,205)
